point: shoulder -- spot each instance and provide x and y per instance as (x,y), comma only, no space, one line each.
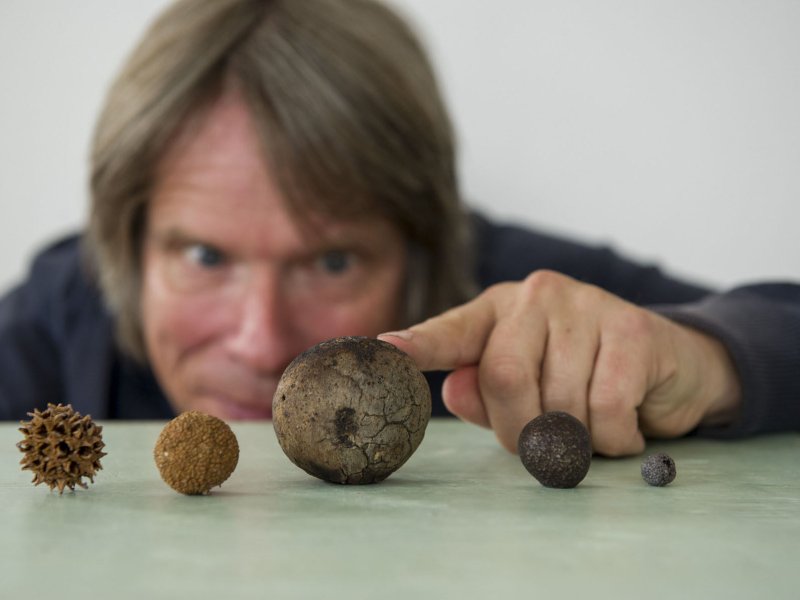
(507,252)
(58,263)
(60,284)
(56,341)
(57,300)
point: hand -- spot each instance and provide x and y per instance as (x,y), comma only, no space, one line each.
(552,343)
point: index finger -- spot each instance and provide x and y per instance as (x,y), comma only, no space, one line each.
(454,339)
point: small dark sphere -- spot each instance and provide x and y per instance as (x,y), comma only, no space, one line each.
(556,449)
(658,469)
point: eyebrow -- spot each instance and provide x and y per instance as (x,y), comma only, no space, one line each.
(174,237)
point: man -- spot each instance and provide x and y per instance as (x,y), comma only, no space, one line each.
(270,174)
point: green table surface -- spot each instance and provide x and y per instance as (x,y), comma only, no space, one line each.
(462,519)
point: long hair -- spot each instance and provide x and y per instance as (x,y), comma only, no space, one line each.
(348,112)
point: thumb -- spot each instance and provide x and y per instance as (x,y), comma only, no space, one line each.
(462,397)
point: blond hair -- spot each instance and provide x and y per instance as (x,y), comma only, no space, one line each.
(350,119)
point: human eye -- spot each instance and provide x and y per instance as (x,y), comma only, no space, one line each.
(204,255)
(335,262)
(187,263)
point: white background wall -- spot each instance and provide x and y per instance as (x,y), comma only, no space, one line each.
(669,129)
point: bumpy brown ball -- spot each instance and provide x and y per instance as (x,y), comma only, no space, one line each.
(351,410)
(556,449)
(196,452)
(61,447)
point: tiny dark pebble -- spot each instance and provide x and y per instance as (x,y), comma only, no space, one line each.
(658,469)
(556,449)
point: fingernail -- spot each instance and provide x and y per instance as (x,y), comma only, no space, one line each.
(405,334)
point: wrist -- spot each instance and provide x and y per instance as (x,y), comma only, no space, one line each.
(721,386)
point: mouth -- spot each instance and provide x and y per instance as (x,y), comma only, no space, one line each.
(237,412)
(230,409)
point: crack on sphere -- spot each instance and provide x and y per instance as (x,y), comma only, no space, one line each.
(346,427)
(351,410)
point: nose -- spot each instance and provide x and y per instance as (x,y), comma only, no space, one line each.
(262,336)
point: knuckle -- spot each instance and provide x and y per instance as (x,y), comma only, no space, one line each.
(609,403)
(587,298)
(498,290)
(623,440)
(541,283)
(614,422)
(504,377)
(612,446)
(635,324)
(613,401)
(560,391)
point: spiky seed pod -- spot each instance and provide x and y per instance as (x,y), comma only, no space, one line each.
(61,447)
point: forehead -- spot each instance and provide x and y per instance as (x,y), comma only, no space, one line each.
(221,138)
(215,181)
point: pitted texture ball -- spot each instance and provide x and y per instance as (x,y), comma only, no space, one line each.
(196,452)
(556,449)
(61,447)
(351,410)
(658,469)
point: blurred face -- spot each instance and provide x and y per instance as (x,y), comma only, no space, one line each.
(234,289)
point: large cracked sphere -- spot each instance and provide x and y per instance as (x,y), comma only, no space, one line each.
(351,410)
